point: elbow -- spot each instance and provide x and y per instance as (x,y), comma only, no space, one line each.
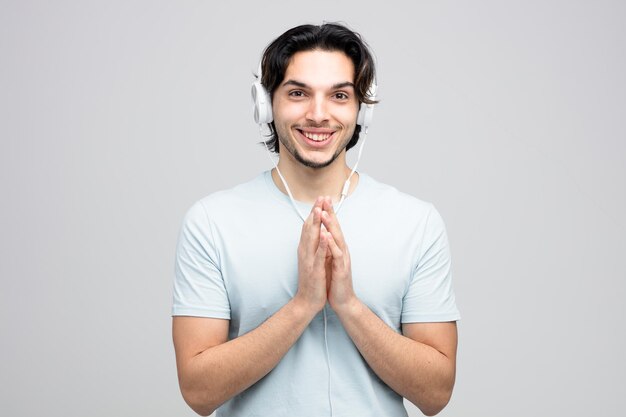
(205,412)
(198,402)
(434,401)
(432,411)
(202,410)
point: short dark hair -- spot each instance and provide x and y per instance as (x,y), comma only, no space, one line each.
(326,37)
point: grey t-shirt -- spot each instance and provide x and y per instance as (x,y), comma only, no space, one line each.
(236,259)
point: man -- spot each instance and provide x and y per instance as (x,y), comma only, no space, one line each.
(342,314)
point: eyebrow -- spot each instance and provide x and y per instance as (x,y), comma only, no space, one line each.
(333,87)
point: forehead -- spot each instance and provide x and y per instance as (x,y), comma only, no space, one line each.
(320,68)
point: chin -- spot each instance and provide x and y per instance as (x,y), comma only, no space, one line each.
(315,164)
(315,159)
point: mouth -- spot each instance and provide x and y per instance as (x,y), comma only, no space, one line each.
(316,137)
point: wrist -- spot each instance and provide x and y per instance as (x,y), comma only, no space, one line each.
(305,306)
(350,308)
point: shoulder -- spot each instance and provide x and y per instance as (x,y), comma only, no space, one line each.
(229,202)
(230,198)
(393,201)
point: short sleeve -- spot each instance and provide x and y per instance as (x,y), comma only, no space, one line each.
(430,296)
(199,288)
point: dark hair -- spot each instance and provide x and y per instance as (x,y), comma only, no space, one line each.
(326,37)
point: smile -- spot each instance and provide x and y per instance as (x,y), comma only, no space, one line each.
(316,137)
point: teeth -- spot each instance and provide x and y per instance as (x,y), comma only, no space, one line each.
(316,137)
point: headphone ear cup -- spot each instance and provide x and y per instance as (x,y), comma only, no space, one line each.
(262,104)
(366,112)
(364,119)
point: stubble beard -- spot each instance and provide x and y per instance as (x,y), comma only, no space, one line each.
(288,144)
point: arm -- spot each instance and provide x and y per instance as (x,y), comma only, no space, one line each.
(212,369)
(420,365)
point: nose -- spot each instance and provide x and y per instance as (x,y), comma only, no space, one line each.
(318,110)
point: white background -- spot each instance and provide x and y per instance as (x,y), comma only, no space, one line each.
(116,116)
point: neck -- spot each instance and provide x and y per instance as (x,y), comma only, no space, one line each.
(306,184)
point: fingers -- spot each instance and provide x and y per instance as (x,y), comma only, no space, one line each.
(314,218)
(335,250)
(310,235)
(328,205)
(320,254)
(321,220)
(330,222)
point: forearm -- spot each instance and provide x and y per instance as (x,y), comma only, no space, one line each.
(221,372)
(417,371)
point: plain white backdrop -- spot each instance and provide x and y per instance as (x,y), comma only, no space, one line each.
(116,116)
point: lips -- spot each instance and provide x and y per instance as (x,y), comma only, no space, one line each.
(316,138)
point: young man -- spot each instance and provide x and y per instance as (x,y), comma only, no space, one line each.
(342,314)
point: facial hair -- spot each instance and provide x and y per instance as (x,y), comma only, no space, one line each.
(288,144)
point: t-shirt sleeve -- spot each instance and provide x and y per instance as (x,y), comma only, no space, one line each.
(430,296)
(199,288)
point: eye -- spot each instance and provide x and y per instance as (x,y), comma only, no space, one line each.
(296,93)
(341,96)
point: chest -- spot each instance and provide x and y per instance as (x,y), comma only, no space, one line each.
(260,271)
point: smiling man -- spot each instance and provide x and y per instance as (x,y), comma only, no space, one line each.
(342,311)
(326,77)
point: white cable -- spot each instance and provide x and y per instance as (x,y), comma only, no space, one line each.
(330,398)
(346,185)
(293,201)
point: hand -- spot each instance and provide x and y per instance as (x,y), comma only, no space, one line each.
(312,254)
(338,267)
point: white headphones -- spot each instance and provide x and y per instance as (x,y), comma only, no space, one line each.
(263,104)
